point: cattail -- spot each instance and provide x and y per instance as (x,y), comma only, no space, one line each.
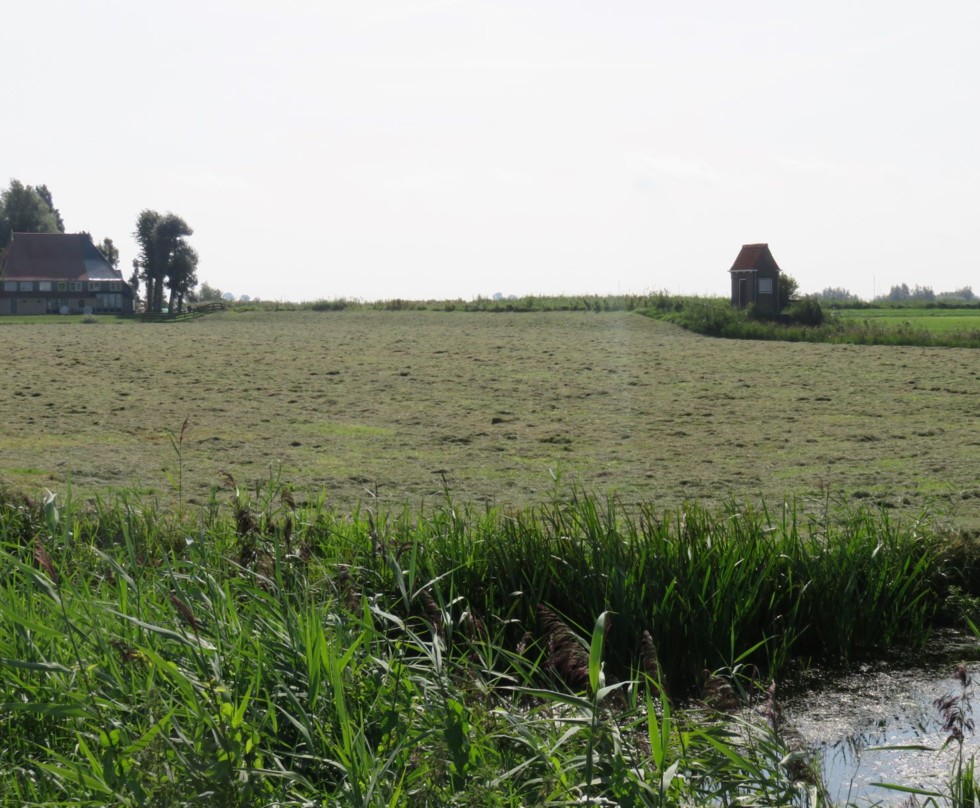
(43,559)
(245,524)
(185,612)
(771,709)
(524,643)
(719,693)
(649,658)
(473,626)
(565,656)
(433,612)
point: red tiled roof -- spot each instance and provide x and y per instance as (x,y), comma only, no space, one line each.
(755,256)
(55,256)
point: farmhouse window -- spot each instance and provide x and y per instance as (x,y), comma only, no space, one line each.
(75,286)
(93,286)
(765,286)
(62,286)
(10,286)
(26,286)
(114,286)
(44,286)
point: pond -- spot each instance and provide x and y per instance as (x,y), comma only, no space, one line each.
(844,715)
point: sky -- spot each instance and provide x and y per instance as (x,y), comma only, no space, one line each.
(416,149)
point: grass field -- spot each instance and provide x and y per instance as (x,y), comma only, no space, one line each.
(938,320)
(397,404)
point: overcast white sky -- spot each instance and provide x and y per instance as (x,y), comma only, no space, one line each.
(440,148)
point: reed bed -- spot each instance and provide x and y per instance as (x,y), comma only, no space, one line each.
(256,652)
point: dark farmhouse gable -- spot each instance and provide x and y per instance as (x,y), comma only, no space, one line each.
(60,272)
(755,278)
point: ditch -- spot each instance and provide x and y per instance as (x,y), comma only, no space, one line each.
(847,716)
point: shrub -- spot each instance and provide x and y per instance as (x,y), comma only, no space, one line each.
(806,311)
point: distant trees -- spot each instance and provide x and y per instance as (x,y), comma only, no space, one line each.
(902,294)
(208,293)
(25,209)
(166,260)
(109,252)
(965,294)
(838,294)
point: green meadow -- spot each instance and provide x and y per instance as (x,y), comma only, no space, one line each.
(937,319)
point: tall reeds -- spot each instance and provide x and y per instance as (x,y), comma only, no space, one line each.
(453,657)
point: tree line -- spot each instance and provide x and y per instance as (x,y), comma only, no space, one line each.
(165,261)
(901,293)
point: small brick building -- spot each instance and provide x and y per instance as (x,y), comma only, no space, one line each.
(755,278)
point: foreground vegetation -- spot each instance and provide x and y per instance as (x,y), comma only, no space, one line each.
(257,652)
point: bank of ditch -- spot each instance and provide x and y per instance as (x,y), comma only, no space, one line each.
(256,649)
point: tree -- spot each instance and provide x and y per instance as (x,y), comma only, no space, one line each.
(902,294)
(207,292)
(24,210)
(965,294)
(182,275)
(134,279)
(165,259)
(109,252)
(838,294)
(898,293)
(788,288)
(45,194)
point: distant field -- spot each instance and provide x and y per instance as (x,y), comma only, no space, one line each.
(390,404)
(940,320)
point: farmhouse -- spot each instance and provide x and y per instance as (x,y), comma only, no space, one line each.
(755,278)
(60,273)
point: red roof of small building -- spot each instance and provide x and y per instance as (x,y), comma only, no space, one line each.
(56,257)
(755,256)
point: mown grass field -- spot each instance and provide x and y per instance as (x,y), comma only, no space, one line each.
(396,405)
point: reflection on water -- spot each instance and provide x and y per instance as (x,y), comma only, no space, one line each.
(841,715)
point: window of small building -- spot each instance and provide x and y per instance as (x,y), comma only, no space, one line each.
(10,286)
(114,286)
(765,286)
(62,286)
(44,286)
(26,286)
(75,286)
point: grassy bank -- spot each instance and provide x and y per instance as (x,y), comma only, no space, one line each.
(253,651)
(935,328)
